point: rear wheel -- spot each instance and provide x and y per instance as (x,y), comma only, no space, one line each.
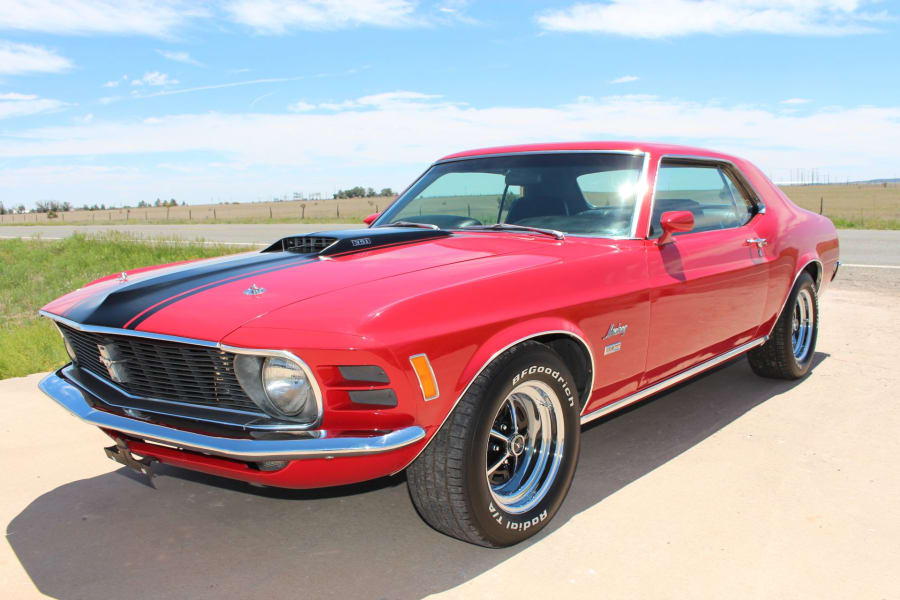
(789,351)
(500,467)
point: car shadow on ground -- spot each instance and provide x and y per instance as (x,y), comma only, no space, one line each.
(195,536)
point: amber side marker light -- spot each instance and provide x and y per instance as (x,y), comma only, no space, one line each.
(426,376)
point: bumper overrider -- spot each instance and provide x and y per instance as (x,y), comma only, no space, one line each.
(384,453)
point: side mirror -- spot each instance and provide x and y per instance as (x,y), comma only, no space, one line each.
(672,222)
(371,218)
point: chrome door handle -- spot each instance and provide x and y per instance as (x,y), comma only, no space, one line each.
(760,242)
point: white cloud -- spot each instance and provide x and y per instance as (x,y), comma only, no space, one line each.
(670,18)
(111,84)
(625,79)
(154,78)
(16,59)
(795,101)
(15,96)
(182,57)
(400,132)
(142,17)
(279,16)
(13,104)
(301,106)
(384,100)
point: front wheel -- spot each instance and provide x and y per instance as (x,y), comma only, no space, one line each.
(789,351)
(500,467)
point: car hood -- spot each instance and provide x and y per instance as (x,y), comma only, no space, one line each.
(210,298)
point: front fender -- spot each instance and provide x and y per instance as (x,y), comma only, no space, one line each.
(493,347)
(516,333)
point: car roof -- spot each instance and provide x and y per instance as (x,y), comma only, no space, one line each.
(653,148)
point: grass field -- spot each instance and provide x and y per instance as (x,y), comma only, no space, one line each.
(849,206)
(33,272)
(854,206)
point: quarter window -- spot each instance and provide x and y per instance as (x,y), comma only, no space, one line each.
(707,191)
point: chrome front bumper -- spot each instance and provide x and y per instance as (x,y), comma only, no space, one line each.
(318,445)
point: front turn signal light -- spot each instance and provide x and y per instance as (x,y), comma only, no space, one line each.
(426,376)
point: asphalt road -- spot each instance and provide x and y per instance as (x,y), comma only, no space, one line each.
(729,486)
(251,233)
(858,246)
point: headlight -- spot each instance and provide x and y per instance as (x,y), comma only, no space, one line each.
(279,386)
(286,386)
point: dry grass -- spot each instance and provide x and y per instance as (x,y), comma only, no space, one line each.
(318,211)
(855,205)
(863,206)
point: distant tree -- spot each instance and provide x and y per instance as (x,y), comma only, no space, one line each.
(102,207)
(20,209)
(183,203)
(143,204)
(172,202)
(386,192)
(95,207)
(158,202)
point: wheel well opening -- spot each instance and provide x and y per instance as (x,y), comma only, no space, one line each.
(576,357)
(815,271)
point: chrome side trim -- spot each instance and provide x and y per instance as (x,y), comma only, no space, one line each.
(577,337)
(72,399)
(791,288)
(658,387)
(708,159)
(317,392)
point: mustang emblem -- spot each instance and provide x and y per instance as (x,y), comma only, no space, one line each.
(361,242)
(254,290)
(615,330)
(111,357)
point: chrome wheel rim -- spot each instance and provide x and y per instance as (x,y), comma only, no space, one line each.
(525,447)
(802,325)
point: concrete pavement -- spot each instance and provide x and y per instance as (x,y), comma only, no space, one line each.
(728,486)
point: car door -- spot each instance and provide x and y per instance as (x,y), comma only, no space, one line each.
(708,286)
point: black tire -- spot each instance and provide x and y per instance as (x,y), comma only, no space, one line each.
(779,358)
(448,482)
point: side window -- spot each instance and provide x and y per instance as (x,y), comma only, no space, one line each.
(743,206)
(707,191)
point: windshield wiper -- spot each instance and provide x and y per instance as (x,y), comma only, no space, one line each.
(410,224)
(512,227)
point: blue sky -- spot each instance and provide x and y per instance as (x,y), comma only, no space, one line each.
(117,101)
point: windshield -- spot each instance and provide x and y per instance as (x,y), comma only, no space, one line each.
(590,194)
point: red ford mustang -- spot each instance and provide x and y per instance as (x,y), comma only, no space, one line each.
(507,297)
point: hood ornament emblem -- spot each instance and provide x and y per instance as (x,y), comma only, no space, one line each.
(123,277)
(254,290)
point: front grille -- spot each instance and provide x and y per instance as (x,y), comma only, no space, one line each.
(307,244)
(162,370)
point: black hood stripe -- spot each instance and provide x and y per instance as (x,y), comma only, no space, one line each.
(140,318)
(121,306)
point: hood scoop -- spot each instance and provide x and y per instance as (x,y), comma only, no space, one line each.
(330,243)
